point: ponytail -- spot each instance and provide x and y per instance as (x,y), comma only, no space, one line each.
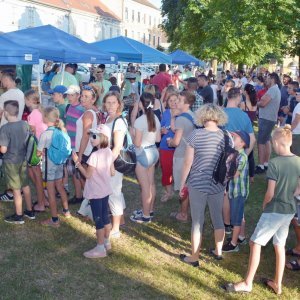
(52,114)
(147,101)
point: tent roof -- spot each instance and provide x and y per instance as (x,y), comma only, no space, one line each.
(129,50)
(59,46)
(182,58)
(12,53)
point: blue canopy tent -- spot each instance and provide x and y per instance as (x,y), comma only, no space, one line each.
(57,45)
(12,53)
(180,57)
(129,50)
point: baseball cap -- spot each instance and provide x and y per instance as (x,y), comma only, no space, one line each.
(101,129)
(244,136)
(73,89)
(61,89)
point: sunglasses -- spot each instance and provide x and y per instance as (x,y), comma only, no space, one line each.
(88,88)
(93,136)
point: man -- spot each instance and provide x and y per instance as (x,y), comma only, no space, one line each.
(243,78)
(292,102)
(66,80)
(191,87)
(229,84)
(268,114)
(284,98)
(162,79)
(126,85)
(205,89)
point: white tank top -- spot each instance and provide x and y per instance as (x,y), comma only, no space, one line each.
(79,133)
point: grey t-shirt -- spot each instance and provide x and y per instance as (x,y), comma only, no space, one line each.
(270,111)
(187,126)
(13,135)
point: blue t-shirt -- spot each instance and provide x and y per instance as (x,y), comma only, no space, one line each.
(237,120)
(166,122)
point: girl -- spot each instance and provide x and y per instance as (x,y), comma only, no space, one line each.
(146,133)
(53,173)
(166,153)
(97,187)
(37,126)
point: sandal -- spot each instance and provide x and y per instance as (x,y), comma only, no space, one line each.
(183,257)
(266,282)
(178,217)
(295,265)
(291,252)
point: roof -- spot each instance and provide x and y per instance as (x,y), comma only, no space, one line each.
(147,3)
(91,6)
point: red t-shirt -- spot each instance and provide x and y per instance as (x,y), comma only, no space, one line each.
(162,80)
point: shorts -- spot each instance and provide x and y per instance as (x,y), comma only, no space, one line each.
(148,156)
(116,199)
(295,148)
(166,163)
(272,225)
(265,128)
(54,172)
(237,210)
(177,169)
(16,175)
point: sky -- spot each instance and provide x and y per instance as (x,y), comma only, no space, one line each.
(156,3)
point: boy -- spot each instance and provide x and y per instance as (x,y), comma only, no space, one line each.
(13,137)
(292,102)
(238,190)
(279,208)
(59,97)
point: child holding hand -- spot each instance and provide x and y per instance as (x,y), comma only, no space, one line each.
(97,187)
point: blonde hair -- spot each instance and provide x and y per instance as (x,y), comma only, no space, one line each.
(210,112)
(150,88)
(284,134)
(52,115)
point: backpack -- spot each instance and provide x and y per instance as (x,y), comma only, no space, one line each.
(126,161)
(189,117)
(31,150)
(60,148)
(227,163)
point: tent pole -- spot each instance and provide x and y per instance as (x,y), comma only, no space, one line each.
(39,82)
(62,73)
(141,87)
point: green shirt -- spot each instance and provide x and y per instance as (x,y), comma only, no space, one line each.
(106,85)
(62,112)
(68,80)
(285,170)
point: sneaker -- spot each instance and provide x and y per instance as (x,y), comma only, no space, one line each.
(107,246)
(75,200)
(140,219)
(95,253)
(50,223)
(228,229)
(115,235)
(67,214)
(29,214)
(14,219)
(230,248)
(5,197)
(239,241)
(259,170)
(139,213)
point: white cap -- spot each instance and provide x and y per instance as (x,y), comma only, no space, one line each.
(73,89)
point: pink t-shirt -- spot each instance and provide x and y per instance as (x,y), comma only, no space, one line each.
(98,185)
(35,119)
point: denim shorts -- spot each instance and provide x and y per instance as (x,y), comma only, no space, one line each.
(148,156)
(237,210)
(54,172)
(265,128)
(272,225)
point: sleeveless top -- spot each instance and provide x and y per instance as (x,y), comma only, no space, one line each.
(79,133)
(251,114)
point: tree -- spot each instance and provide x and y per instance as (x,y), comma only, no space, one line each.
(242,32)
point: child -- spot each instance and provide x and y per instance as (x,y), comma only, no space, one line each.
(97,187)
(53,173)
(238,190)
(279,208)
(59,99)
(13,136)
(37,126)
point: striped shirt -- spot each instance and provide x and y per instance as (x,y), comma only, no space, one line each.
(208,146)
(73,113)
(239,186)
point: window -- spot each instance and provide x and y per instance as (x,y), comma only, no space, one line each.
(31,12)
(126,13)
(133,16)
(125,32)
(139,17)
(144,38)
(149,41)
(150,20)
(154,40)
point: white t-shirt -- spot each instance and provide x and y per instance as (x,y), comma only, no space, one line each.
(148,138)
(215,90)
(12,94)
(296,111)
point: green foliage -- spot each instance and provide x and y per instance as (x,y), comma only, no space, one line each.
(243,31)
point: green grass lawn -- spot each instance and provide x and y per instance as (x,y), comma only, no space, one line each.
(47,263)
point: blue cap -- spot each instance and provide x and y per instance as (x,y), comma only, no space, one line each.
(61,89)
(244,136)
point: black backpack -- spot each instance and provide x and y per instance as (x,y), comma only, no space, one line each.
(227,163)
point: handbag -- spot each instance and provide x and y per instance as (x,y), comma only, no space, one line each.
(126,161)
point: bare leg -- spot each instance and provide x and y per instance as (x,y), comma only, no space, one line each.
(27,197)
(36,176)
(100,236)
(219,238)
(116,221)
(63,195)
(267,152)
(52,198)
(235,235)
(184,207)
(107,230)
(151,171)
(297,232)
(243,228)
(226,210)
(261,154)
(280,263)
(18,202)
(77,187)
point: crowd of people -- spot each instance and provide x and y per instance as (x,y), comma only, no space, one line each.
(183,123)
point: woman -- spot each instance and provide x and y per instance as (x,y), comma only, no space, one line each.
(113,106)
(48,77)
(204,147)
(145,134)
(166,153)
(249,106)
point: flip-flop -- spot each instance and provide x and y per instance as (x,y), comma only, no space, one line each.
(291,252)
(295,266)
(230,288)
(183,257)
(174,215)
(214,255)
(265,281)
